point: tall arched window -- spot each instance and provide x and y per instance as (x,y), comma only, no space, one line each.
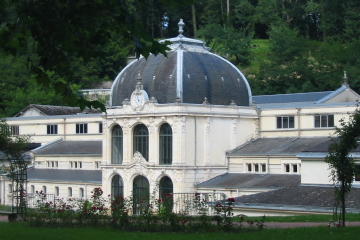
(141,194)
(165,147)
(165,187)
(141,140)
(116,145)
(117,186)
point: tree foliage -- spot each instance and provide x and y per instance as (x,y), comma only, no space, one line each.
(61,29)
(341,164)
(67,45)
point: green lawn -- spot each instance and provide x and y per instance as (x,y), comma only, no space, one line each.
(16,231)
(350,217)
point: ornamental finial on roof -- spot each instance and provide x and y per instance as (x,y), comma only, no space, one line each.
(181,24)
(345,83)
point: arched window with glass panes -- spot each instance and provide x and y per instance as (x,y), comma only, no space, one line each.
(117,187)
(165,144)
(141,140)
(116,145)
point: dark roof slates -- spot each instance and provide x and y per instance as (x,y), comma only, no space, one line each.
(72,148)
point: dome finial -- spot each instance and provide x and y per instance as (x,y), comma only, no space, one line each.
(181,24)
(345,83)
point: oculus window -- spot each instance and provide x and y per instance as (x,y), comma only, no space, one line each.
(324,121)
(285,122)
(141,140)
(165,151)
(116,145)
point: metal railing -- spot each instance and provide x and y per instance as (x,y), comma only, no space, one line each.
(195,203)
(33,199)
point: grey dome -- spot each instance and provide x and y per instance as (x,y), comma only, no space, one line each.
(189,72)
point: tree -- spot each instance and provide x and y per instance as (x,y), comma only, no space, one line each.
(59,29)
(14,147)
(342,166)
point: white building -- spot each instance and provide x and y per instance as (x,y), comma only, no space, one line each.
(183,123)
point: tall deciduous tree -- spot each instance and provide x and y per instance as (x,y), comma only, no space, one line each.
(342,166)
(62,27)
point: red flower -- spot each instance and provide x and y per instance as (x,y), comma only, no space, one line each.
(231,200)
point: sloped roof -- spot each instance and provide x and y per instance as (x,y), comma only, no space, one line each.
(278,146)
(315,196)
(50,110)
(68,175)
(251,180)
(71,148)
(290,98)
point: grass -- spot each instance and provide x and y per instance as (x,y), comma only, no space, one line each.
(10,231)
(350,217)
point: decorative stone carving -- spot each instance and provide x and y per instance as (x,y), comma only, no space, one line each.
(205,102)
(234,125)
(257,128)
(175,123)
(179,176)
(139,159)
(126,126)
(103,175)
(207,124)
(207,174)
(183,122)
(126,101)
(151,125)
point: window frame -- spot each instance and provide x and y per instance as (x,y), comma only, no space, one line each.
(141,140)
(285,122)
(81,192)
(324,119)
(81,128)
(52,129)
(100,128)
(165,145)
(117,145)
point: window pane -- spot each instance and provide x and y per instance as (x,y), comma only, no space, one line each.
(330,120)
(256,167)
(285,122)
(323,121)
(279,122)
(117,145)
(165,144)
(291,122)
(141,140)
(263,167)
(317,121)
(249,167)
